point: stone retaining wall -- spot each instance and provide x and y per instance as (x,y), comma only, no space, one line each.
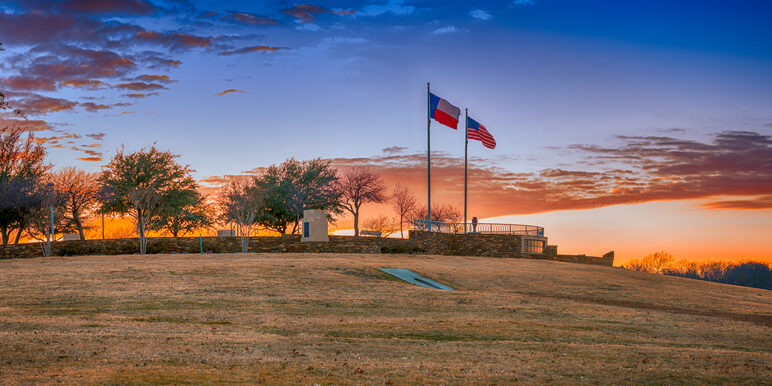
(418,243)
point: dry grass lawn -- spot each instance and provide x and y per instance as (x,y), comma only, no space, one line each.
(307,318)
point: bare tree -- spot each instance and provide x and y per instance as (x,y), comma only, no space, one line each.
(81,190)
(404,202)
(383,224)
(359,186)
(657,261)
(440,213)
(654,263)
(47,218)
(240,202)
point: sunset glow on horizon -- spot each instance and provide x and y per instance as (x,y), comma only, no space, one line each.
(632,127)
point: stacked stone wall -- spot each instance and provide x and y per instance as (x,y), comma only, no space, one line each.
(418,243)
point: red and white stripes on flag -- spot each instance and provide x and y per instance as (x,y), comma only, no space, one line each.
(478,132)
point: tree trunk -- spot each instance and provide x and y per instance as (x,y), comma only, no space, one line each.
(19,232)
(5,234)
(78,224)
(401,222)
(141,231)
(244,244)
(356,223)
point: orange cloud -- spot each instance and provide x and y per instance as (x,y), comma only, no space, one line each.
(233,90)
(764,202)
(650,169)
(141,95)
(89,159)
(155,78)
(86,83)
(30,125)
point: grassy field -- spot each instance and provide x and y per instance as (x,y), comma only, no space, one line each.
(304,318)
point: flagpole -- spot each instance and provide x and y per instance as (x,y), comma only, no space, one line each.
(466,146)
(429,154)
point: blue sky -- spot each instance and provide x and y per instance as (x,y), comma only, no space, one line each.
(553,81)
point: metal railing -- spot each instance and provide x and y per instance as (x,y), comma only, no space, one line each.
(487,228)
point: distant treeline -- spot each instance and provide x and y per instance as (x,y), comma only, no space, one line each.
(748,273)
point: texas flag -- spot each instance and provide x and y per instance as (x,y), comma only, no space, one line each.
(443,112)
(478,132)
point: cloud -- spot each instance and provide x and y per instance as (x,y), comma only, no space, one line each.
(221,93)
(155,78)
(29,83)
(140,86)
(54,64)
(259,48)
(55,139)
(764,202)
(174,40)
(157,60)
(248,19)
(26,124)
(394,149)
(643,169)
(94,107)
(393,6)
(138,95)
(94,7)
(480,14)
(96,136)
(34,104)
(89,159)
(29,28)
(92,84)
(446,30)
(306,13)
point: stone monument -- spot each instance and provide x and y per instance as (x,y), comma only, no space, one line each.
(314,226)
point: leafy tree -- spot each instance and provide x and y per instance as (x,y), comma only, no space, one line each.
(359,186)
(22,167)
(292,187)
(404,202)
(81,192)
(240,203)
(183,210)
(140,184)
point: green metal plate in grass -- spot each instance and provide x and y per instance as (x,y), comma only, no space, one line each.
(414,278)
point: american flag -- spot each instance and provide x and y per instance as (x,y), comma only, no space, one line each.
(477,131)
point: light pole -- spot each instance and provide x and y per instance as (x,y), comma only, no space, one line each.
(50,186)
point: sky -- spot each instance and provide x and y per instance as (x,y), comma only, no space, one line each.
(620,125)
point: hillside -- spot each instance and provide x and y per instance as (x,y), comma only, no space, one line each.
(337,319)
